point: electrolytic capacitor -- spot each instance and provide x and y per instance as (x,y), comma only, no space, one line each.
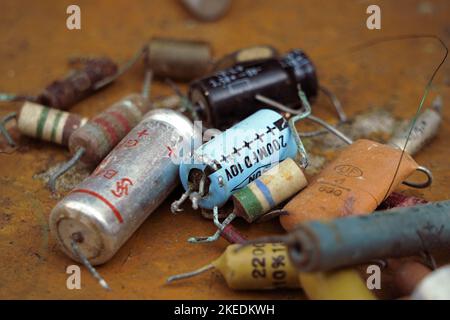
(256,199)
(235,158)
(393,233)
(356,182)
(62,94)
(108,206)
(92,142)
(248,54)
(178,59)
(425,128)
(229,95)
(435,286)
(44,123)
(257,267)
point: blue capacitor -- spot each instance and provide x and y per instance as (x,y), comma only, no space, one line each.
(236,157)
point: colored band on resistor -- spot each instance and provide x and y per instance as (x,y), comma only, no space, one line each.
(266,192)
(48,124)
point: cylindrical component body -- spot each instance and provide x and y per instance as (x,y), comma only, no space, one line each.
(207,10)
(101,133)
(344,284)
(356,182)
(48,124)
(238,156)
(425,128)
(229,95)
(260,266)
(434,286)
(78,84)
(179,59)
(353,240)
(109,205)
(253,53)
(232,235)
(272,188)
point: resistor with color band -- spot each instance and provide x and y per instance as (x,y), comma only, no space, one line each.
(92,142)
(62,94)
(260,266)
(256,199)
(47,124)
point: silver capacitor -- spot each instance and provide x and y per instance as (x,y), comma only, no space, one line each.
(425,128)
(132,181)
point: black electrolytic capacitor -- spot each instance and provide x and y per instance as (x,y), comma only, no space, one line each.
(229,95)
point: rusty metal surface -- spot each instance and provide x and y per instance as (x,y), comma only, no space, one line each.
(35,46)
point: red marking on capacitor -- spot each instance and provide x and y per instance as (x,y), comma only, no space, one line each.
(122,187)
(121,119)
(142,133)
(170,151)
(103,199)
(108,128)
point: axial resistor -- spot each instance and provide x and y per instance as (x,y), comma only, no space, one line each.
(101,133)
(425,128)
(44,123)
(269,190)
(260,266)
(78,84)
(356,182)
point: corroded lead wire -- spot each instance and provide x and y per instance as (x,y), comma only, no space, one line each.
(74,243)
(190,274)
(64,168)
(175,206)
(220,227)
(5,132)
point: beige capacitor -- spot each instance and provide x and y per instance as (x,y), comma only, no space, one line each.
(356,182)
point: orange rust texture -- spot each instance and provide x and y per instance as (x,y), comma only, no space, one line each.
(35,46)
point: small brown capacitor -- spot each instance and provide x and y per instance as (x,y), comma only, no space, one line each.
(178,59)
(407,274)
(356,182)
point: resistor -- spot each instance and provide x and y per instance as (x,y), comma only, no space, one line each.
(44,123)
(256,199)
(395,233)
(178,59)
(260,266)
(425,128)
(61,94)
(92,142)
(248,54)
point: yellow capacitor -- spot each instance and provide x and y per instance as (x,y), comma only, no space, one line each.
(345,284)
(260,266)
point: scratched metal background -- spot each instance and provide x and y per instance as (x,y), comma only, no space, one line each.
(35,45)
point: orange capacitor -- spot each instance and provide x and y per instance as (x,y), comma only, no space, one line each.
(356,182)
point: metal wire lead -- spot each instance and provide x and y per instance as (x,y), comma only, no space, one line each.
(64,168)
